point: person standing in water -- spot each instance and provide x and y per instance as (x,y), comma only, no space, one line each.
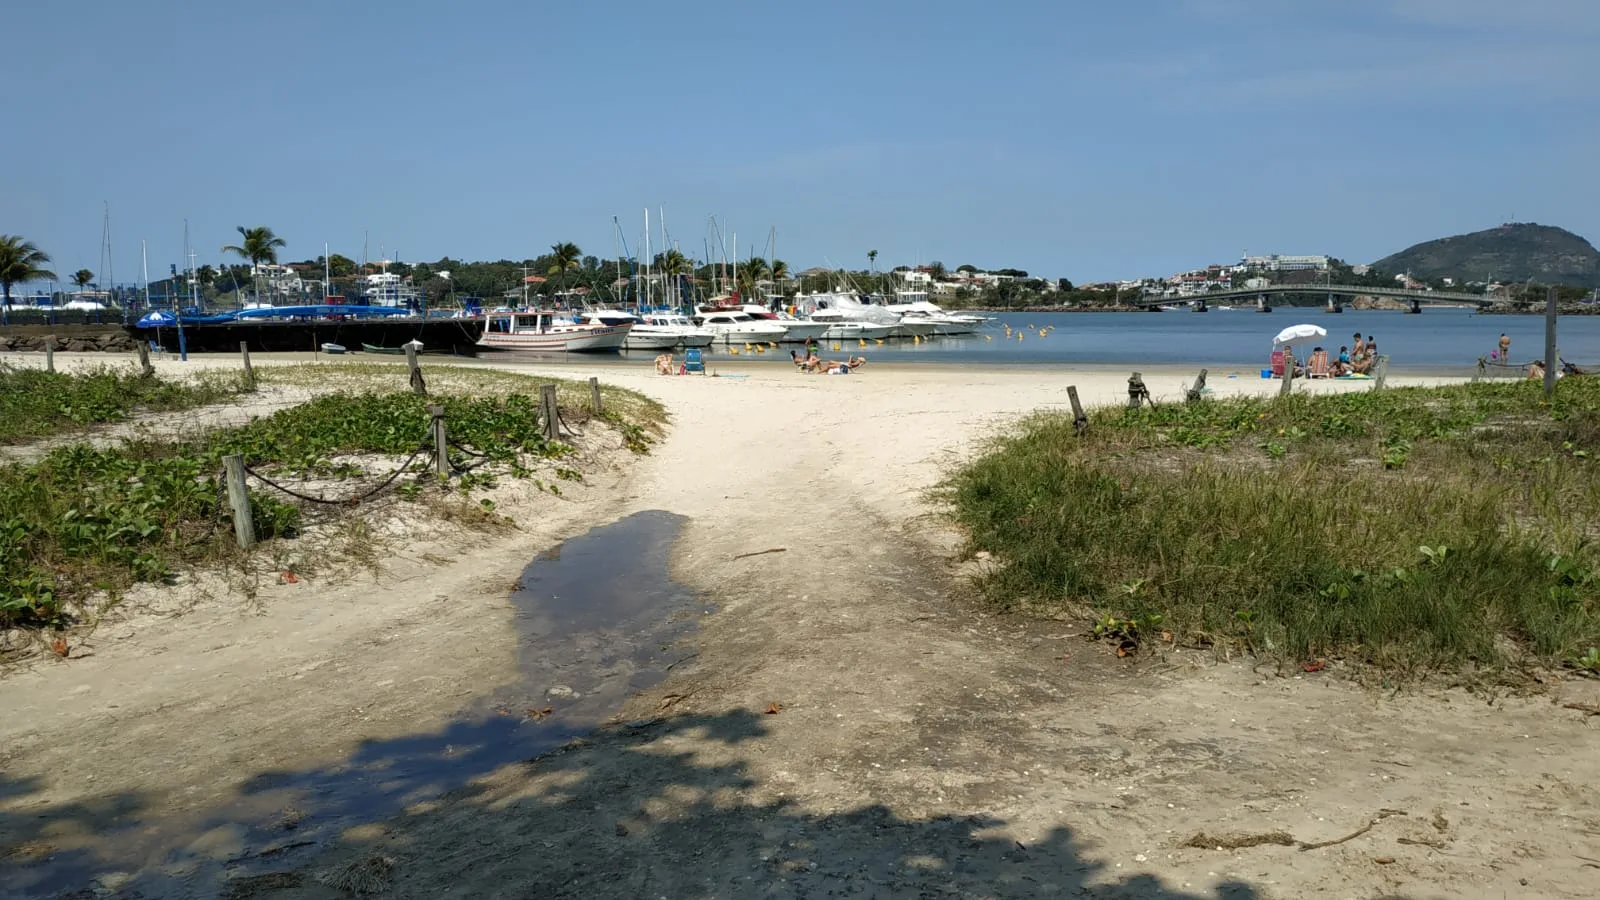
(1505,349)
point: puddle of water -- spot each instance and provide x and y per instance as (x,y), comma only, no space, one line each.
(596,619)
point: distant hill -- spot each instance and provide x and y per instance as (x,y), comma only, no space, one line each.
(1513,252)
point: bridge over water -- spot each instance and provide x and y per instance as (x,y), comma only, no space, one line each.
(1336,295)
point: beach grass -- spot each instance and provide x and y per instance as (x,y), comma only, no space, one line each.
(1409,532)
(83,520)
(36,404)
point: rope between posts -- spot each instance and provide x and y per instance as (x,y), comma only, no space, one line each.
(349,501)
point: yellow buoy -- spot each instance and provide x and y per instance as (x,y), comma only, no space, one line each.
(879,340)
(988,337)
(916,339)
(1019,335)
(836,346)
(772,344)
(747,346)
(861,341)
(734,350)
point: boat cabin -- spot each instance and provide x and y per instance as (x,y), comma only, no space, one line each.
(520,322)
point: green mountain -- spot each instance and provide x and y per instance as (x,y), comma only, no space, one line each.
(1517,251)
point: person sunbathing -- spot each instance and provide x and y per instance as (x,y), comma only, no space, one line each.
(664,365)
(844,368)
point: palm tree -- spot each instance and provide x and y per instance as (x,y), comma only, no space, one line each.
(82,278)
(566,258)
(753,271)
(671,265)
(259,245)
(20,262)
(872,259)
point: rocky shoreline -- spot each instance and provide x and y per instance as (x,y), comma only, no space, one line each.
(103,341)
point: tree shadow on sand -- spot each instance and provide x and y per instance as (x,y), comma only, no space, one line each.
(664,809)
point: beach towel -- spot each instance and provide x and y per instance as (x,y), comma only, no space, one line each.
(1318,366)
(1277,363)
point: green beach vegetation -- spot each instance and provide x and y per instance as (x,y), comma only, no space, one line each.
(1409,532)
(35,403)
(83,521)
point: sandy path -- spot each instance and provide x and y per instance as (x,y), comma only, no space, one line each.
(921,749)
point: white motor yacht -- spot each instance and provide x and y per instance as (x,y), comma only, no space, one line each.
(795,330)
(916,306)
(672,325)
(840,328)
(732,326)
(639,337)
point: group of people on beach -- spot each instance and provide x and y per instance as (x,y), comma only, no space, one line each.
(1350,362)
(815,365)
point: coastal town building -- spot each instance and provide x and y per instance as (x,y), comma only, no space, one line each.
(1278,262)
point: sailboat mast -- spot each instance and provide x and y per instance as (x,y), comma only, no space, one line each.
(647,256)
(144,265)
(327,272)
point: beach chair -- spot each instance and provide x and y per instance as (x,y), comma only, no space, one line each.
(1317,367)
(156,349)
(1277,363)
(693,362)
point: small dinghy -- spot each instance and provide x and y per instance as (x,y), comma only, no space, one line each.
(335,349)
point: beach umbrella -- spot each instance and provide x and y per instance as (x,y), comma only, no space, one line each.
(1299,334)
(157,319)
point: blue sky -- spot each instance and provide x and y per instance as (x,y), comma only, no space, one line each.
(1086,140)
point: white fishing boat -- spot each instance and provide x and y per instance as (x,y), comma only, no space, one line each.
(541,331)
(732,326)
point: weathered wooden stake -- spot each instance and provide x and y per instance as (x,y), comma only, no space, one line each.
(1550,361)
(1196,393)
(249,371)
(550,412)
(145,368)
(1080,422)
(1137,392)
(1380,372)
(1288,374)
(594,394)
(441,446)
(417,384)
(244,527)
(1483,371)
(50,355)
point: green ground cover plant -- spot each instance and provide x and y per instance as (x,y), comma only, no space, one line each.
(35,403)
(84,519)
(1414,531)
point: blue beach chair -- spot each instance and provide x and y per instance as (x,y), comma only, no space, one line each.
(693,362)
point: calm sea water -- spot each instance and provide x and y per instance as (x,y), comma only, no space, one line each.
(1442,341)
(1438,339)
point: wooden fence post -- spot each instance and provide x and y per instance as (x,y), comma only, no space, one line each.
(1550,353)
(145,368)
(417,384)
(50,354)
(594,394)
(1483,371)
(244,527)
(1193,395)
(1288,374)
(249,371)
(549,411)
(1080,422)
(441,446)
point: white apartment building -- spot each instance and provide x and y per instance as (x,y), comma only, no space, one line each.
(276,280)
(1278,262)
